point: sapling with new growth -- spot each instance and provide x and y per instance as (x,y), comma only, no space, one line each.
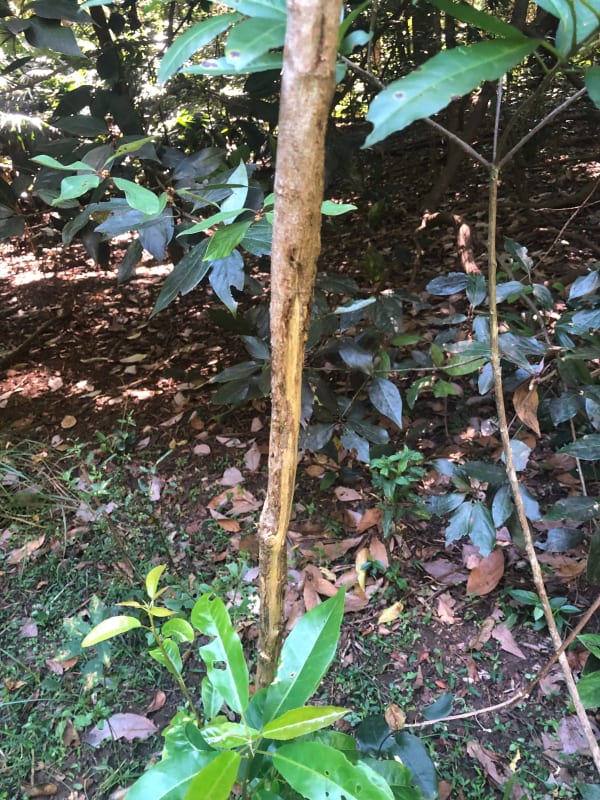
(270,744)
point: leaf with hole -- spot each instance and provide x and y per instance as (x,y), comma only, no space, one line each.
(446,76)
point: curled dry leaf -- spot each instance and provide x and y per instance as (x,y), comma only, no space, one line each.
(16,556)
(444,608)
(390,613)
(160,698)
(526,401)
(252,458)
(40,789)
(483,634)
(370,519)
(395,717)
(231,477)
(378,551)
(487,574)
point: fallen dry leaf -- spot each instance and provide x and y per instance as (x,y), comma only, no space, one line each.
(16,556)
(252,458)
(70,736)
(201,450)
(526,401)
(445,571)
(55,383)
(378,551)
(444,608)
(488,760)
(28,630)
(370,519)
(563,565)
(362,558)
(121,726)
(502,634)
(487,574)
(483,634)
(346,495)
(39,789)
(572,737)
(160,698)
(231,477)
(68,422)
(395,717)
(390,613)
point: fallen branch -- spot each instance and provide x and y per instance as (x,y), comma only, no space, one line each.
(14,355)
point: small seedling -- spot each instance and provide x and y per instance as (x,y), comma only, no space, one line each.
(559,605)
(395,477)
(269,742)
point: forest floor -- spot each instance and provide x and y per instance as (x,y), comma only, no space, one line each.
(114,460)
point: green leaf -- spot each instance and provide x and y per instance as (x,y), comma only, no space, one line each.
(216,780)
(172,660)
(75,186)
(577,509)
(178,629)
(139,198)
(171,777)
(253,38)
(225,240)
(587,448)
(184,47)
(445,285)
(212,702)
(152,579)
(592,82)
(591,642)
(210,222)
(129,147)
(224,735)
(397,776)
(186,275)
(441,708)
(356,358)
(225,273)
(472,519)
(593,562)
(300,721)
(224,657)
(411,752)
(305,657)
(386,398)
(449,74)
(113,626)
(578,20)
(331,209)
(81,125)
(317,771)
(476,18)
(48,161)
(265,9)
(444,503)
(238,180)
(589,689)
(52,35)
(220,66)
(60,9)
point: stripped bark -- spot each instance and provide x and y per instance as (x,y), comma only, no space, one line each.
(307,90)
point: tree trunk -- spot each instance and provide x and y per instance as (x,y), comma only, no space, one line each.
(307,88)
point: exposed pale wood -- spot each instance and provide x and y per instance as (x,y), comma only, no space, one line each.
(308,84)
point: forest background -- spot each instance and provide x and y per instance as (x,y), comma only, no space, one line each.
(97,151)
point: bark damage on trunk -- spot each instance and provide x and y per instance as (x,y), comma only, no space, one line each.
(308,84)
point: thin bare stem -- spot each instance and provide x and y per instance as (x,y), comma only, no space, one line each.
(541,124)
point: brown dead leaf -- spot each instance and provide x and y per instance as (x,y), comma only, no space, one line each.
(486,576)
(502,634)
(70,736)
(16,556)
(121,726)
(370,519)
(526,401)
(160,698)
(444,608)
(346,495)
(572,737)
(315,470)
(39,789)
(229,525)
(445,571)
(202,450)
(356,600)
(231,477)
(378,551)
(549,684)
(68,422)
(489,761)
(444,790)
(483,634)
(252,458)
(395,717)
(565,566)
(29,629)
